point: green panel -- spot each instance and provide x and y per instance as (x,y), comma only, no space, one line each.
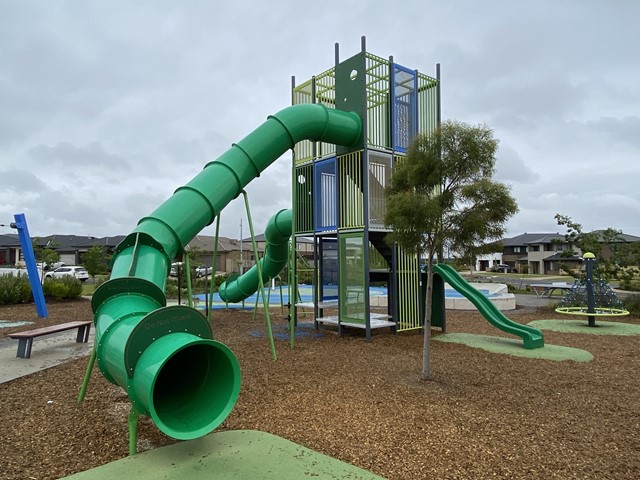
(427,104)
(351,92)
(379,167)
(304,198)
(376,260)
(377,102)
(409,311)
(350,191)
(352,278)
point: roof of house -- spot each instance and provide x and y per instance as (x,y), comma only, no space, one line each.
(623,236)
(205,244)
(108,242)
(528,238)
(542,238)
(9,240)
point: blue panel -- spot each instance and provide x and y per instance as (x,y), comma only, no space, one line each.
(325,195)
(404,109)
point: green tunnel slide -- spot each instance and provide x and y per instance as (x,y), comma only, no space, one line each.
(275,259)
(165,356)
(532,337)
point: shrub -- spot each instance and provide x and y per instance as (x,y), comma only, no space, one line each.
(14,289)
(633,305)
(64,287)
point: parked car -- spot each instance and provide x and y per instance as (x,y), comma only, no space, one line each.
(175,268)
(202,271)
(79,272)
(502,268)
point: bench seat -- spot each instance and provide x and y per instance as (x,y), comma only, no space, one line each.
(25,339)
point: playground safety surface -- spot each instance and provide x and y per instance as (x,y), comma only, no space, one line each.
(482,415)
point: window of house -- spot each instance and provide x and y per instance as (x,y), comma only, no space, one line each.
(548,247)
(535,248)
(517,249)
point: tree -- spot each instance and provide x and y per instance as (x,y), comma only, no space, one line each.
(441,193)
(96,260)
(44,253)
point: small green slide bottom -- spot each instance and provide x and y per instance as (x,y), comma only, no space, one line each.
(229,455)
(509,346)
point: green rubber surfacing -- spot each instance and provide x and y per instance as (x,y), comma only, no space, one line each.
(581,326)
(229,455)
(508,346)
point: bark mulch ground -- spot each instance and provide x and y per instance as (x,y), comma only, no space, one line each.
(482,415)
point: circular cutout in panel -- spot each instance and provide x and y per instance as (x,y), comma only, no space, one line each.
(301,179)
(353,75)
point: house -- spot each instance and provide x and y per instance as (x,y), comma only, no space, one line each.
(232,255)
(543,253)
(9,249)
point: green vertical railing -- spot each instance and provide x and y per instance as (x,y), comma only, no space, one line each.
(408,291)
(350,191)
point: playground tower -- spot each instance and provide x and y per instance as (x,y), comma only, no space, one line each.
(338,193)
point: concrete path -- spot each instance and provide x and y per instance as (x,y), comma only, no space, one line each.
(46,352)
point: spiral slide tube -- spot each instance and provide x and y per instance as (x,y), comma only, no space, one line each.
(275,258)
(165,357)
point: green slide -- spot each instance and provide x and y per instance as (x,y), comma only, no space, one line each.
(165,357)
(532,337)
(275,258)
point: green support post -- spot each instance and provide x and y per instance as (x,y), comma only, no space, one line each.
(133,430)
(214,262)
(87,375)
(260,282)
(187,267)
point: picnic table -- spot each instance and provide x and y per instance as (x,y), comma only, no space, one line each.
(547,289)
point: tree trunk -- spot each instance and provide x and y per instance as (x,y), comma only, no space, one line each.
(426,347)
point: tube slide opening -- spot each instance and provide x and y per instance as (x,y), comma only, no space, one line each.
(191,391)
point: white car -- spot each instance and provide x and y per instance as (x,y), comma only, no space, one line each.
(202,271)
(79,272)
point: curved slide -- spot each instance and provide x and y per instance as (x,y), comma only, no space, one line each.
(165,357)
(275,259)
(532,337)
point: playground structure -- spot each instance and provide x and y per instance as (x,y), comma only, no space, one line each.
(338,192)
(347,128)
(591,297)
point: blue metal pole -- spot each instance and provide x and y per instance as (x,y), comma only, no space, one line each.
(30,259)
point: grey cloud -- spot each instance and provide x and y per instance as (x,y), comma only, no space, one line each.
(625,131)
(16,181)
(511,168)
(66,155)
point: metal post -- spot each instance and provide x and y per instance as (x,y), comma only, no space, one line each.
(591,298)
(260,282)
(214,268)
(187,266)
(133,431)
(87,375)
(30,260)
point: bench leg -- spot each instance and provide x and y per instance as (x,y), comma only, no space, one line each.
(24,347)
(83,334)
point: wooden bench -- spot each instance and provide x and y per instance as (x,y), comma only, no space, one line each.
(25,339)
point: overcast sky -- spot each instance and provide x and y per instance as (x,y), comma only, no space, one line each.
(106,107)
